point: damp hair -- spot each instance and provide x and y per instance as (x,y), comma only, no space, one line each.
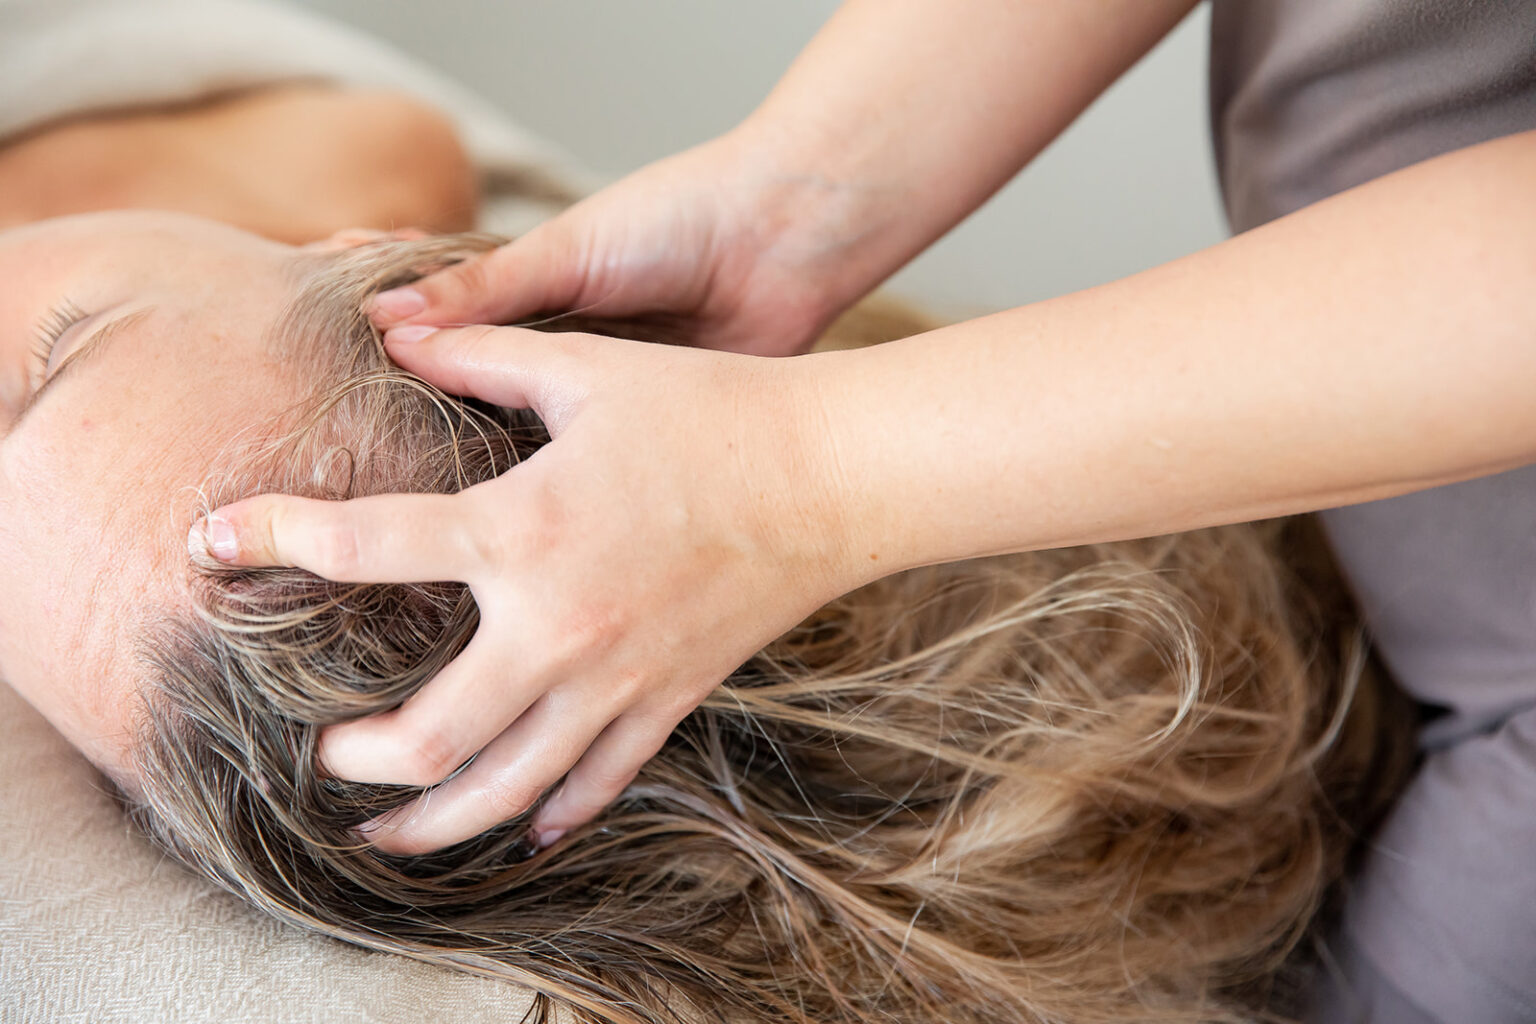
(1101,784)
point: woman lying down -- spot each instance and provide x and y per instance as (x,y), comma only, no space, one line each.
(1101,784)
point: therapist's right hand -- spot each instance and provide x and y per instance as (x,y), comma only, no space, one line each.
(686,512)
(712,248)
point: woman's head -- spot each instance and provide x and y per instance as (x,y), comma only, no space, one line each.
(163,357)
(1081,786)
(1074,785)
(1078,785)
(144,356)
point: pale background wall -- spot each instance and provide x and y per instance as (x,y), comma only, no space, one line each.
(621,82)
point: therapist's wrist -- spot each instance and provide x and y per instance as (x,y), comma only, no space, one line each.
(798,488)
(833,232)
(902,480)
(831,523)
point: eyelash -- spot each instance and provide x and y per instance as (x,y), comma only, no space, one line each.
(51,328)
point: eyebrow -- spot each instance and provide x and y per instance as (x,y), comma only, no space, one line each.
(89,347)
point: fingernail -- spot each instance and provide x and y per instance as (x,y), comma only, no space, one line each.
(550,838)
(398,303)
(406,335)
(214,536)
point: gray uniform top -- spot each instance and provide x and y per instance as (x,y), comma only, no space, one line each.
(1310,97)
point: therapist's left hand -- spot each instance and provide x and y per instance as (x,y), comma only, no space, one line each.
(684,514)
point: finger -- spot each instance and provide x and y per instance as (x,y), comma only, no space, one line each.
(608,766)
(503,781)
(540,271)
(398,538)
(464,707)
(508,366)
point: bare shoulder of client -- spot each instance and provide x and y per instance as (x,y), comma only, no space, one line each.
(291,162)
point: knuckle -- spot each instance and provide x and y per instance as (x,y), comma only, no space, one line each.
(507,797)
(575,355)
(262,525)
(475,343)
(336,549)
(626,686)
(586,634)
(463,282)
(481,540)
(427,757)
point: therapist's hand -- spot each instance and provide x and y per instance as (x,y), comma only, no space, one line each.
(711,248)
(680,519)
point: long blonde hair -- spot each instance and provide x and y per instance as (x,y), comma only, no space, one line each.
(1098,784)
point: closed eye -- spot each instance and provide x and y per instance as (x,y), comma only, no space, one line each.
(49,330)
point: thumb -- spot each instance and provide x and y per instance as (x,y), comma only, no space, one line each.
(406,538)
(513,367)
(538,272)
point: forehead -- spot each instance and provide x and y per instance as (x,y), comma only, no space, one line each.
(102,480)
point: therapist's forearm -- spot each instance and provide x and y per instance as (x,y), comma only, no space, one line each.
(1376,343)
(903,116)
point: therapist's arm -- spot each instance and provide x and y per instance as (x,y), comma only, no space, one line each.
(1378,342)
(898,120)
(903,116)
(1373,344)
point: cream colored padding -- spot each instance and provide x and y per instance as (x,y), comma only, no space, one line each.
(97,927)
